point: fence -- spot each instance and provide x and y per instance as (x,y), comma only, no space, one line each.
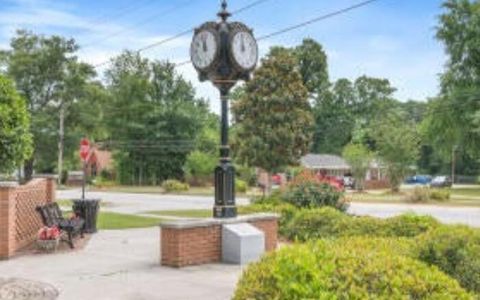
(19,220)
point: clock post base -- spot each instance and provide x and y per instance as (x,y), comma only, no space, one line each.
(225,212)
(225,191)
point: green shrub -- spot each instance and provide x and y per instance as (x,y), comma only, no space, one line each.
(409,225)
(456,251)
(326,270)
(102,182)
(309,224)
(440,195)
(425,194)
(240,186)
(174,186)
(199,168)
(311,194)
(418,195)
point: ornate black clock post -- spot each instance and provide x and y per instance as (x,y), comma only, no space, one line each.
(224,53)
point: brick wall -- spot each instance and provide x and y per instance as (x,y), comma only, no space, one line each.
(19,221)
(202,244)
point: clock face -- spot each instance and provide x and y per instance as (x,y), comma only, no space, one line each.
(204,49)
(245,50)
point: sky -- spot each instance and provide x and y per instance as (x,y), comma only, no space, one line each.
(393,39)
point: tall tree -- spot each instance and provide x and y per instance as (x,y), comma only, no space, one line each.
(15,137)
(46,71)
(154,119)
(313,66)
(373,97)
(334,119)
(451,119)
(359,158)
(273,116)
(398,145)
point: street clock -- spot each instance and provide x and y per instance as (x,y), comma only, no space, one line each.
(224,53)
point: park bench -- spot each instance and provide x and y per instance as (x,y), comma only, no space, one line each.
(52,216)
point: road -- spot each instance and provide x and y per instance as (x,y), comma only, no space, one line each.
(141,203)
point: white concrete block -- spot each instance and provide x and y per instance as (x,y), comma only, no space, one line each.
(242,243)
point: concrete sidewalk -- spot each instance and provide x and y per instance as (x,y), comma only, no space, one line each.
(118,265)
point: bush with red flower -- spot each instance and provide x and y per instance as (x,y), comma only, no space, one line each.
(307,190)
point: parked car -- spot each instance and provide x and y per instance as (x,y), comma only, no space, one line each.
(349,182)
(441,182)
(419,179)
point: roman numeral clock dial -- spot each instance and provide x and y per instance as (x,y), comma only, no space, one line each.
(204,49)
(244,50)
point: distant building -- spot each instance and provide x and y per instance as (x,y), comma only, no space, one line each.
(98,161)
(334,165)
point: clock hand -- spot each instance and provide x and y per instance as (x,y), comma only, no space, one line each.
(204,40)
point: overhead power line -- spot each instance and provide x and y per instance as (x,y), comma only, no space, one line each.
(317,19)
(249,6)
(135,6)
(186,32)
(141,23)
(307,23)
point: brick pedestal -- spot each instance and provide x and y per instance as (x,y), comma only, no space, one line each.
(187,243)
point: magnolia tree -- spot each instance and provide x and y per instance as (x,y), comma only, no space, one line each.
(15,137)
(273,119)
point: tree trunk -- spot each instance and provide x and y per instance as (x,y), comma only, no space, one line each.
(28,169)
(61,143)
(269,184)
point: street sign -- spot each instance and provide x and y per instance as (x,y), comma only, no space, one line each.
(84,149)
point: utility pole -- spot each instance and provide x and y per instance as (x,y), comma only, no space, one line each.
(61,142)
(454,150)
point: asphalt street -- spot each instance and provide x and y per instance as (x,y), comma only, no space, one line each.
(141,203)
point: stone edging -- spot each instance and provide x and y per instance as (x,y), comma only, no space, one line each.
(8,184)
(45,176)
(186,224)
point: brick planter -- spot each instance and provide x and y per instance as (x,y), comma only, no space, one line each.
(19,220)
(187,243)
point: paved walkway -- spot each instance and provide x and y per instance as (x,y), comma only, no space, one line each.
(123,265)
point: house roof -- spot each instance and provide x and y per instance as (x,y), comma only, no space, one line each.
(324,161)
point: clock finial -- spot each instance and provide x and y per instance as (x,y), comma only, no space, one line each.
(224,14)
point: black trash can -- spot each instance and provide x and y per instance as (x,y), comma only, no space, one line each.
(88,210)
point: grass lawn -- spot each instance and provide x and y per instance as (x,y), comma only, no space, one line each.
(462,196)
(69,203)
(115,221)
(193,191)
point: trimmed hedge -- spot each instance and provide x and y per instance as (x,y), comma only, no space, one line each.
(327,222)
(175,186)
(456,251)
(241,186)
(363,269)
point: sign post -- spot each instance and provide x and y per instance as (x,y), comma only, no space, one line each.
(84,154)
